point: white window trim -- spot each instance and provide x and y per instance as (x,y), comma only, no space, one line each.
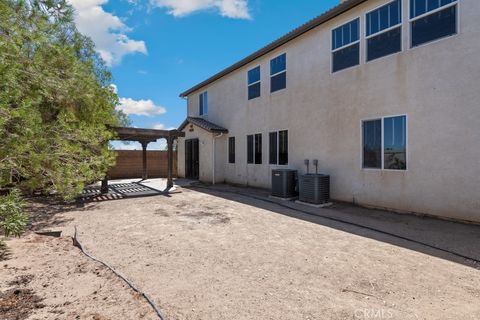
(284,70)
(351,43)
(254,158)
(373,35)
(389,28)
(202,96)
(390,54)
(410,20)
(278,73)
(407,148)
(401,25)
(346,46)
(426,14)
(251,84)
(332,51)
(278,148)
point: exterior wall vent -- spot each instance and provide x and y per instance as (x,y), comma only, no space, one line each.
(314,188)
(284,182)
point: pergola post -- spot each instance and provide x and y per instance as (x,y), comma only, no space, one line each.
(144,155)
(104,187)
(170,162)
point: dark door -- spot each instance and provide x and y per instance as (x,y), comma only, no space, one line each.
(191,159)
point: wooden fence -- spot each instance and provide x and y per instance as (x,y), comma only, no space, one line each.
(130,164)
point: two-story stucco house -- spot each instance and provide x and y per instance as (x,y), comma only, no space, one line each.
(385,94)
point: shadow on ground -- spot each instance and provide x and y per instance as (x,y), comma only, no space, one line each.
(47,212)
(116,191)
(456,242)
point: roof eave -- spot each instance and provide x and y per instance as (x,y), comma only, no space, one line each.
(191,120)
(328,15)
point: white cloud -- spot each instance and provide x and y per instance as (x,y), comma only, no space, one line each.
(160,144)
(161,126)
(237,9)
(140,107)
(120,145)
(107,31)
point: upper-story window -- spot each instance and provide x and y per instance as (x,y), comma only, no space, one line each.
(254,83)
(203,103)
(346,46)
(278,73)
(432,19)
(384,30)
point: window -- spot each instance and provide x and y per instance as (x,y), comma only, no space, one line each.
(346,46)
(391,154)
(395,143)
(278,73)
(203,103)
(278,143)
(283,147)
(250,148)
(432,20)
(254,148)
(384,30)
(231,150)
(273,144)
(258,148)
(254,83)
(372,144)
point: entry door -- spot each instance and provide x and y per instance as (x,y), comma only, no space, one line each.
(191,159)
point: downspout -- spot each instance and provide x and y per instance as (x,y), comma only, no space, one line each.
(213,156)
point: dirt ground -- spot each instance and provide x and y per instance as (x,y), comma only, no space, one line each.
(48,278)
(206,255)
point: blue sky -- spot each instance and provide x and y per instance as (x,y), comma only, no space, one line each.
(158,48)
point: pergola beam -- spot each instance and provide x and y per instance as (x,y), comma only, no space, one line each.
(138,134)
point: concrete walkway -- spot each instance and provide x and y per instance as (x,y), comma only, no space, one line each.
(448,236)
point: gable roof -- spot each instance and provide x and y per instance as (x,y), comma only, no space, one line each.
(204,124)
(315,22)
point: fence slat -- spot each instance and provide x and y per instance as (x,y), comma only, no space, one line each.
(129,164)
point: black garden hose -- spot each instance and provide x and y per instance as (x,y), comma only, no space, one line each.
(77,244)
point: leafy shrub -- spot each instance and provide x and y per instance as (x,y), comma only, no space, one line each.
(13,219)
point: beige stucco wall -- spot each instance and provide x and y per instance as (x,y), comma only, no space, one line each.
(206,158)
(436,85)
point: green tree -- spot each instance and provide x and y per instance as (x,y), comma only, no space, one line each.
(56,101)
(56,106)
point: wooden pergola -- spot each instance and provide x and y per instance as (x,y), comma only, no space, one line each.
(144,137)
